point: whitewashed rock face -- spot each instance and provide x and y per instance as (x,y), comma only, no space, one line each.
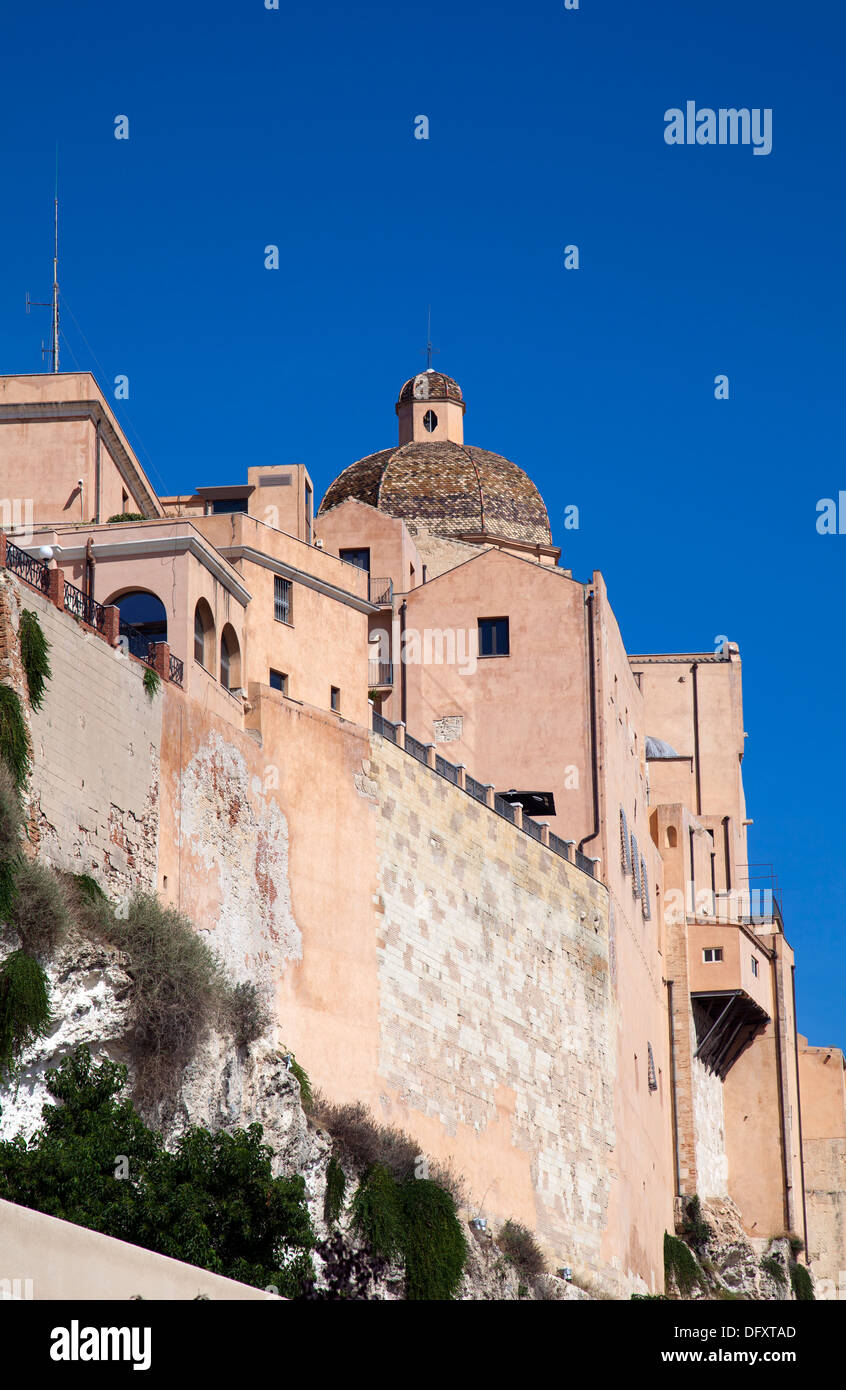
(733,1262)
(89,996)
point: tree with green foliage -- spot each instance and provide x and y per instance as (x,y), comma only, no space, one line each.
(415,1221)
(213,1202)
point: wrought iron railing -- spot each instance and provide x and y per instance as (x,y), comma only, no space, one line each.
(177,670)
(531,827)
(84,607)
(477,790)
(503,808)
(447,770)
(384,727)
(26,567)
(380,673)
(381,591)
(137,642)
(559,846)
(417,749)
(582,862)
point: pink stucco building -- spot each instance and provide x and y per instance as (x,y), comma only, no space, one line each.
(416,649)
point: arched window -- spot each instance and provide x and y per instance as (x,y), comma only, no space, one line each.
(145,612)
(204,635)
(230,659)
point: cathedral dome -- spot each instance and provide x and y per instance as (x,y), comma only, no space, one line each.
(431,479)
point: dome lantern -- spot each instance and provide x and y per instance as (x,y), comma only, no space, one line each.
(431,408)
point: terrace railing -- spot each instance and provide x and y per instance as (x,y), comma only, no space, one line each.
(84,607)
(32,571)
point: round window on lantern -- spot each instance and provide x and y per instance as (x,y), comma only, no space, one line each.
(430,421)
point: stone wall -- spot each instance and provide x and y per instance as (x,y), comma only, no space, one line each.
(496,1036)
(95,749)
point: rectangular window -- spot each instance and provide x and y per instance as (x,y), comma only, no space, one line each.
(493,637)
(359,558)
(335,699)
(755,966)
(224,505)
(279,681)
(711,954)
(282,604)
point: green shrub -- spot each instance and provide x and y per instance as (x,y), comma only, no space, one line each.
(178,989)
(248,1017)
(364,1142)
(152,682)
(39,912)
(127,516)
(417,1222)
(776,1271)
(796,1243)
(11,824)
(680,1266)
(36,663)
(520,1247)
(802,1284)
(14,744)
(306,1093)
(377,1212)
(694,1228)
(213,1202)
(24,1008)
(434,1246)
(336,1187)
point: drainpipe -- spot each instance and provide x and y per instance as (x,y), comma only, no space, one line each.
(90,562)
(799,1116)
(676,1165)
(727,841)
(594,751)
(97,477)
(780,1085)
(693,670)
(403,689)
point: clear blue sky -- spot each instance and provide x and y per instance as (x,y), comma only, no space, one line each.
(250,127)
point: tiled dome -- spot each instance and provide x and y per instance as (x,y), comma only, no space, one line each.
(430,386)
(447,488)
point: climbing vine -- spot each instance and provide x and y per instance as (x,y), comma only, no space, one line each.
(36,662)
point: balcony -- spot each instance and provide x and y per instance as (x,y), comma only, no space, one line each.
(729,973)
(380,675)
(381,592)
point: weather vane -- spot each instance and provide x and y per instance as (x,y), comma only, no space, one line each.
(429,349)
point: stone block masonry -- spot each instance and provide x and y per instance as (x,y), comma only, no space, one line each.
(95,750)
(496,1017)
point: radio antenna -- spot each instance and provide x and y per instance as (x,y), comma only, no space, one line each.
(53,304)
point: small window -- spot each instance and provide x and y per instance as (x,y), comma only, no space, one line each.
(359,558)
(279,681)
(652,1079)
(755,966)
(282,606)
(430,421)
(335,699)
(493,637)
(712,954)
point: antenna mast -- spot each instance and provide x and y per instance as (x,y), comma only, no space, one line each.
(53,350)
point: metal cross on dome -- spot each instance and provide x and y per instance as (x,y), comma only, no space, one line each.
(428,348)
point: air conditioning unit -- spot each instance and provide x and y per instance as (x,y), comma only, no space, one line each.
(319,544)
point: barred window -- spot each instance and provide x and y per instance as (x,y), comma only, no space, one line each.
(635,868)
(650,1068)
(644,889)
(282,605)
(625,849)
